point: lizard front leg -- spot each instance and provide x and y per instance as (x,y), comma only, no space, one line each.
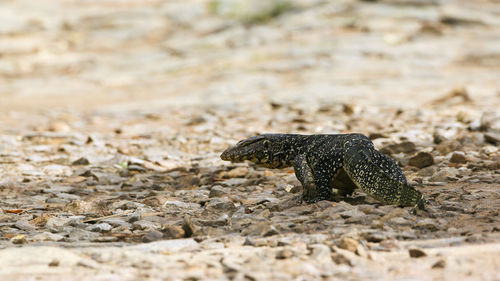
(315,184)
(304,174)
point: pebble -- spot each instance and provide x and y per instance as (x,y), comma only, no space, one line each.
(421,160)
(443,175)
(427,171)
(172,231)
(458,157)
(416,253)
(489,149)
(19,239)
(399,221)
(448,146)
(80,161)
(24,225)
(220,204)
(403,147)
(145,225)
(217,191)
(152,236)
(349,244)
(354,213)
(493,138)
(283,253)
(188,227)
(57,221)
(238,172)
(100,227)
(439,264)
(321,253)
(427,223)
(47,236)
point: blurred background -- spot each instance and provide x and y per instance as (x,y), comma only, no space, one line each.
(88,54)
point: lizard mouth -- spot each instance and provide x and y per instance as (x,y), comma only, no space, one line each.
(226,155)
(234,154)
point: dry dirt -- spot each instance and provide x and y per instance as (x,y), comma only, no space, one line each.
(113,115)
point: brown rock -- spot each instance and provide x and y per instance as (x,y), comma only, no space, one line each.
(349,244)
(458,157)
(416,253)
(80,161)
(238,172)
(448,146)
(439,264)
(217,191)
(172,231)
(284,254)
(421,160)
(188,227)
(492,138)
(404,147)
(19,239)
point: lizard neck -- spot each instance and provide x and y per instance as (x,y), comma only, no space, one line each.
(283,148)
(268,150)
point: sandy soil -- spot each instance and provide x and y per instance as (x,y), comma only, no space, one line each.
(113,115)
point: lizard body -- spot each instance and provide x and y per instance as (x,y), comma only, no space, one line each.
(322,162)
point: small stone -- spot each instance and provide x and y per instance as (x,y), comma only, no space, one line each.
(492,138)
(47,236)
(489,149)
(321,253)
(354,213)
(376,236)
(438,138)
(59,127)
(145,225)
(249,242)
(349,244)
(374,136)
(398,221)
(404,147)
(272,231)
(80,161)
(416,253)
(284,254)
(238,172)
(54,263)
(443,175)
(24,225)
(19,239)
(220,205)
(188,227)
(152,236)
(136,168)
(172,232)
(421,160)
(340,258)
(448,146)
(427,223)
(100,227)
(439,264)
(458,157)
(427,171)
(217,191)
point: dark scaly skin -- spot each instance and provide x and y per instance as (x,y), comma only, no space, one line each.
(322,162)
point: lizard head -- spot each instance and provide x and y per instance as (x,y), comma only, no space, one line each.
(256,149)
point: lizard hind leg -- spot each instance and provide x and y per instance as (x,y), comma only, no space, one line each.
(378,175)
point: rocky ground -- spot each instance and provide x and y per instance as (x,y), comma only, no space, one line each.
(113,115)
